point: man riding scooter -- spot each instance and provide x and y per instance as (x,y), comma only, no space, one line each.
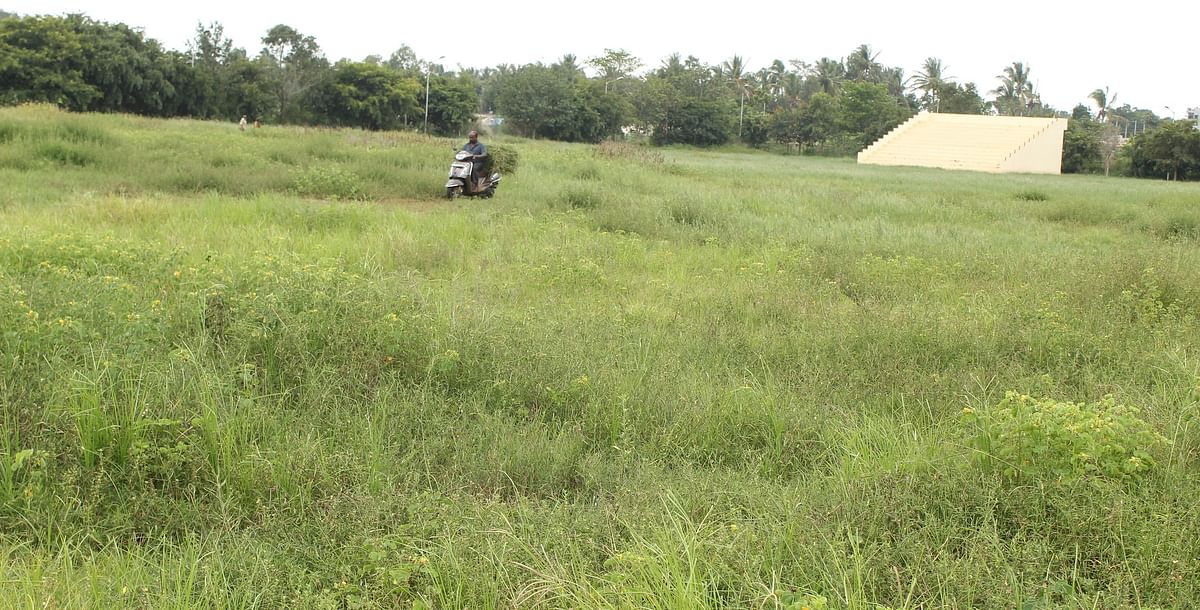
(475,147)
(467,173)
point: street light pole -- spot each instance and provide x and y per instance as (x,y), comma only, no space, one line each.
(607,82)
(428,70)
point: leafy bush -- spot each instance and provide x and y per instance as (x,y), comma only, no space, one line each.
(328,182)
(1031,438)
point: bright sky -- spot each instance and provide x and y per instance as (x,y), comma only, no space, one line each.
(1144,53)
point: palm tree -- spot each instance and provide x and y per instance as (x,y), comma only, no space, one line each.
(793,87)
(929,80)
(734,70)
(1015,95)
(1105,102)
(777,72)
(829,74)
(862,64)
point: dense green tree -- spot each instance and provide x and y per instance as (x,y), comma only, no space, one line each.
(1081,146)
(756,129)
(1172,151)
(699,122)
(42,59)
(821,117)
(452,104)
(365,95)
(129,70)
(294,65)
(556,102)
(615,66)
(868,111)
(959,99)
(405,60)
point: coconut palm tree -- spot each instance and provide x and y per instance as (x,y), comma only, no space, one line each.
(829,74)
(862,64)
(1015,95)
(734,70)
(793,87)
(929,80)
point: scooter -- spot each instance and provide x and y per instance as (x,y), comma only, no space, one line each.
(462,179)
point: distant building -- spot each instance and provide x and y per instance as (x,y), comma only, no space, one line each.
(1194,116)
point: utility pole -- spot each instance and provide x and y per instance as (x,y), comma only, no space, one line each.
(428,70)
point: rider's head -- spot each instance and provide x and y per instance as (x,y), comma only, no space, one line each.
(473,135)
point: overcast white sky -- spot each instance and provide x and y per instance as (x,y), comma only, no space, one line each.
(1145,52)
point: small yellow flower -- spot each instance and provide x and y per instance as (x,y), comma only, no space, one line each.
(733,527)
(178,273)
(968,410)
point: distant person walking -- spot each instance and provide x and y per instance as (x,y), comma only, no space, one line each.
(242,123)
(257,122)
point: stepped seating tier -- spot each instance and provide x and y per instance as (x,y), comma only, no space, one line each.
(972,142)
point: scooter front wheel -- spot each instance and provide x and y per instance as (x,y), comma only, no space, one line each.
(453,192)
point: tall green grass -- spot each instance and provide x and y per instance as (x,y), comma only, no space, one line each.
(275,369)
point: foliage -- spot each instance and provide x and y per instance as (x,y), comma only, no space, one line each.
(553,102)
(756,129)
(1081,147)
(294,65)
(695,122)
(452,104)
(1171,151)
(328,182)
(868,111)
(1024,438)
(959,99)
(374,97)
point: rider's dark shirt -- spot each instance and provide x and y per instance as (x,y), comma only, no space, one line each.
(475,149)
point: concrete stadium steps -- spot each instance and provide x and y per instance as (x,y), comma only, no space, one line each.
(971,142)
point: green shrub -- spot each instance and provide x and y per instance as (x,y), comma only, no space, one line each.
(1029,438)
(328,182)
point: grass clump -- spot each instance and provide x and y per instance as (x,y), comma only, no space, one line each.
(328,182)
(1024,438)
(581,196)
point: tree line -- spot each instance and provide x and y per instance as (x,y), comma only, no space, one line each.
(827,106)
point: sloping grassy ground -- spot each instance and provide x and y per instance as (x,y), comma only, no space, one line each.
(711,380)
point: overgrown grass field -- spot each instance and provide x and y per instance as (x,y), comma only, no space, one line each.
(273,369)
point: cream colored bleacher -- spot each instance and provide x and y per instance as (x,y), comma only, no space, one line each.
(970,142)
